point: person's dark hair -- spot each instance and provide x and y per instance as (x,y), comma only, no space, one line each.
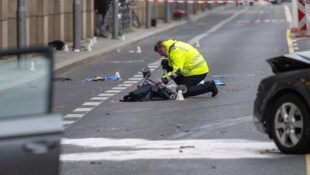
(158,45)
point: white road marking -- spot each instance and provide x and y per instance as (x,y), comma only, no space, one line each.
(288,14)
(105,95)
(138,75)
(135,79)
(91,103)
(119,88)
(126,85)
(82,109)
(73,115)
(130,82)
(67,122)
(99,98)
(113,91)
(133,149)
(215,28)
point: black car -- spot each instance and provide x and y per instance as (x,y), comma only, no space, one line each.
(282,105)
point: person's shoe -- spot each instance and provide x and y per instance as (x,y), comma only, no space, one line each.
(213,89)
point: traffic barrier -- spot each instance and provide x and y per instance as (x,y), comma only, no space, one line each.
(138,50)
(301,29)
(66,49)
(180,95)
(302,19)
(117,75)
(201,1)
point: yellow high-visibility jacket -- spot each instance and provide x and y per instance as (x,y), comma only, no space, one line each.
(184,59)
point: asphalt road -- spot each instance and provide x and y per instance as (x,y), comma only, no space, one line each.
(201,135)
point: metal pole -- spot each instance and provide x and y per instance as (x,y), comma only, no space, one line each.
(115,20)
(194,8)
(148,14)
(21,28)
(187,7)
(168,16)
(77,25)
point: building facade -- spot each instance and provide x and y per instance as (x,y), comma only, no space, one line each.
(46,20)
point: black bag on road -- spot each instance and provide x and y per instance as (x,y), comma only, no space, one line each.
(148,92)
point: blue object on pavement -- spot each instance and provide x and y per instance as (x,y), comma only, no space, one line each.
(218,82)
(111,78)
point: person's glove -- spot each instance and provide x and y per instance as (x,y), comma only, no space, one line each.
(165,65)
(164,80)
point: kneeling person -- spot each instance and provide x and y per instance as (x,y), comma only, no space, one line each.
(186,66)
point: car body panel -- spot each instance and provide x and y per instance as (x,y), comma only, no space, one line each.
(290,62)
(272,87)
(30,145)
(292,75)
(29,133)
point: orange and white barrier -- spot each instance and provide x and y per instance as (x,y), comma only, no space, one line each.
(302,18)
(201,1)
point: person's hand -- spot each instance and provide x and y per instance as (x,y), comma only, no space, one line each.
(159,82)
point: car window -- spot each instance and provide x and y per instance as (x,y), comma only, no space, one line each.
(24,84)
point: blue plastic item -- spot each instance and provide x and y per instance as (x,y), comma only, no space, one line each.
(218,82)
(111,78)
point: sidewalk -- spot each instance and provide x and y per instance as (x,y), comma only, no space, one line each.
(67,60)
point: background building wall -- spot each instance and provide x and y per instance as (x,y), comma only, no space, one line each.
(47,20)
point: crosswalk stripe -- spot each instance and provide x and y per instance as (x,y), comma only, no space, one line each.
(130,82)
(82,109)
(138,75)
(67,122)
(99,98)
(91,103)
(113,91)
(119,88)
(105,95)
(73,115)
(126,85)
(135,79)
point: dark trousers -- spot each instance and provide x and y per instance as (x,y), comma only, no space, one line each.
(191,82)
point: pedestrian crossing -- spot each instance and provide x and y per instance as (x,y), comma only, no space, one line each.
(136,149)
(88,106)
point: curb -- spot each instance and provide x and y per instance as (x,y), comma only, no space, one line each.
(87,57)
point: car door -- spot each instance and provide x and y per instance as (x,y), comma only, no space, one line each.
(29,132)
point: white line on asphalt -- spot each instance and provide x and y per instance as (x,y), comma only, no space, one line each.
(67,122)
(119,88)
(105,95)
(215,28)
(288,14)
(130,82)
(126,85)
(91,103)
(73,115)
(99,98)
(82,109)
(137,149)
(138,76)
(135,79)
(113,91)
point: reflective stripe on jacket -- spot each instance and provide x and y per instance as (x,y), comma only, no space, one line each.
(184,59)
